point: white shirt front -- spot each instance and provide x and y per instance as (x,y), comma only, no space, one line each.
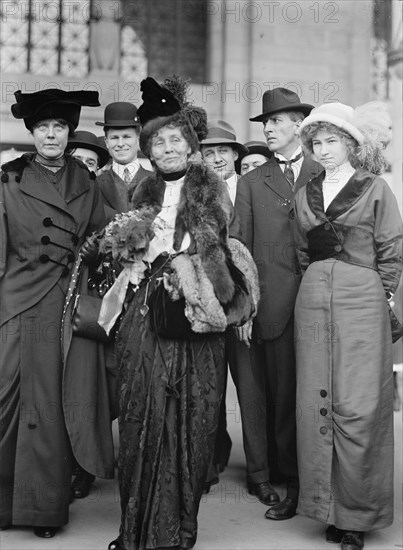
(232,183)
(334,182)
(119,169)
(296,166)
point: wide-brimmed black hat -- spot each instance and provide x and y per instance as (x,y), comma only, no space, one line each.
(254,148)
(281,99)
(88,140)
(120,114)
(220,132)
(52,103)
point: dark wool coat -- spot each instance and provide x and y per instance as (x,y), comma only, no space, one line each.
(115,193)
(44,219)
(262,208)
(351,255)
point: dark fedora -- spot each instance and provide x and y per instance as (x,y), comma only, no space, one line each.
(254,148)
(88,140)
(281,99)
(220,132)
(120,114)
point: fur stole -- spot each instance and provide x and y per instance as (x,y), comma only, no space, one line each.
(201,213)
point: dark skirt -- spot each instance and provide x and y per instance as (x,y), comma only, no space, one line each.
(169,398)
(35,453)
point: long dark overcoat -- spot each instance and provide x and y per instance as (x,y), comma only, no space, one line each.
(263,204)
(44,219)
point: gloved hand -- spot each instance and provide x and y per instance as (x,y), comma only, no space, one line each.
(89,249)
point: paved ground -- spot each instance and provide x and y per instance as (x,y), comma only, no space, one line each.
(229,518)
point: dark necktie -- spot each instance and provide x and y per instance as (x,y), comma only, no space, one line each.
(127,178)
(288,171)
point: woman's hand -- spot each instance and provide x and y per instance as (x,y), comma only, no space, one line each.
(89,249)
(244,333)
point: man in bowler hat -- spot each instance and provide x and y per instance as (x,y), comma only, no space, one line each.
(263,209)
(122,130)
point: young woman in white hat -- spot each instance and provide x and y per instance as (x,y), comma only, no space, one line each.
(348,233)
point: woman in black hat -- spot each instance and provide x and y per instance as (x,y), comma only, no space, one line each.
(48,204)
(171,375)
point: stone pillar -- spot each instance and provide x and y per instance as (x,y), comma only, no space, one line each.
(105,38)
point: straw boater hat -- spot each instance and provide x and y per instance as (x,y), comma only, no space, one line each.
(88,140)
(281,99)
(220,132)
(54,104)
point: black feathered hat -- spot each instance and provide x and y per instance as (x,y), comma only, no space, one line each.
(165,104)
(52,103)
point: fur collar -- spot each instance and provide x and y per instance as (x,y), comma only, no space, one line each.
(201,213)
(19,164)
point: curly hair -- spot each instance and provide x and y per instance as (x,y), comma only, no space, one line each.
(177,120)
(368,156)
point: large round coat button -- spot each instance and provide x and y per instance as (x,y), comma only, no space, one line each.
(338,248)
(323,393)
(327,226)
(323,412)
(323,430)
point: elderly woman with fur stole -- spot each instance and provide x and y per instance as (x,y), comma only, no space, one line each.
(183,283)
(349,242)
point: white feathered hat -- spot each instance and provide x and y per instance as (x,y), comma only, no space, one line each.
(368,122)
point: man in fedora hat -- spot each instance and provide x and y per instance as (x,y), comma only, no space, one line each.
(220,150)
(263,207)
(122,130)
(87,147)
(258,154)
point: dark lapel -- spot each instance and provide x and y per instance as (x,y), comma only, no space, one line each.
(309,169)
(275,179)
(78,180)
(345,199)
(109,184)
(350,193)
(40,188)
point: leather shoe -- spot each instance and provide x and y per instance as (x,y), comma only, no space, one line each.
(352,540)
(333,534)
(82,484)
(46,532)
(264,492)
(115,545)
(286,509)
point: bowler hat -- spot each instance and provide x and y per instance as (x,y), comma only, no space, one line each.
(254,148)
(88,140)
(52,103)
(281,99)
(339,114)
(220,132)
(120,114)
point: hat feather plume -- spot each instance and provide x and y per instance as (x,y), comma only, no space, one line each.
(197,116)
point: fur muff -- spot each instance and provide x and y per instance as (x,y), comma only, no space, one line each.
(203,310)
(200,212)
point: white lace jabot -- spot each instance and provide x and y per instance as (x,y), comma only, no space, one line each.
(164,234)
